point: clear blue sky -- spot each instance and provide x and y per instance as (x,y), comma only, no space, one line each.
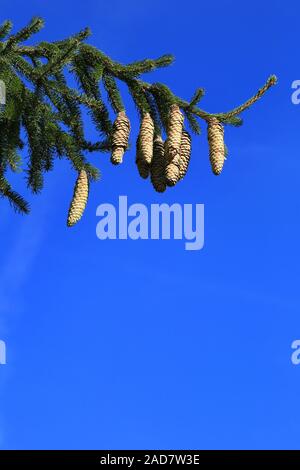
(141,344)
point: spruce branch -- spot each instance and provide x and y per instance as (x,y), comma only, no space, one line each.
(198,95)
(113,93)
(230,117)
(15,199)
(35,25)
(41,102)
(272,80)
(5,28)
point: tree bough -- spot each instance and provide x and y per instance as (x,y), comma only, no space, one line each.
(41,103)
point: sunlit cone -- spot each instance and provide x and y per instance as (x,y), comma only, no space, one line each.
(79,199)
(120,136)
(172,172)
(215,135)
(158,165)
(185,153)
(142,166)
(146,136)
(174,132)
(117,155)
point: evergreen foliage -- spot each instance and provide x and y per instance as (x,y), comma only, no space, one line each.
(43,107)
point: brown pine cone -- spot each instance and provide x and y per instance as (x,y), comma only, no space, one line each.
(185,153)
(174,132)
(79,199)
(158,165)
(173,171)
(142,165)
(215,135)
(120,136)
(143,168)
(146,136)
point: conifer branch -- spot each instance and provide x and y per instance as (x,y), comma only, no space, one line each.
(40,101)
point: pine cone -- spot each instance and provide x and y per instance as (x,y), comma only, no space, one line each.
(185,153)
(173,171)
(146,139)
(79,199)
(177,168)
(174,132)
(143,168)
(120,136)
(144,146)
(142,165)
(158,165)
(215,135)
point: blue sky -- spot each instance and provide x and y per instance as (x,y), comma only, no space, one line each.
(141,344)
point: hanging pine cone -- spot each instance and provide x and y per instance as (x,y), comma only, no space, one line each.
(174,132)
(143,168)
(79,199)
(146,136)
(177,168)
(142,165)
(215,135)
(158,165)
(173,171)
(185,153)
(120,136)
